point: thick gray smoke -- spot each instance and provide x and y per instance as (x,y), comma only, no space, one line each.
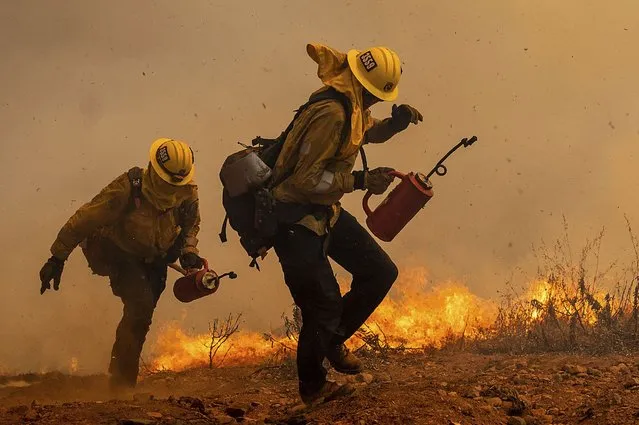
(85,87)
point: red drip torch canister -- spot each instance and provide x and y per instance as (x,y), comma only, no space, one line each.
(196,285)
(399,207)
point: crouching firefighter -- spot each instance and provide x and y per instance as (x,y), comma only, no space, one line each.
(297,210)
(142,221)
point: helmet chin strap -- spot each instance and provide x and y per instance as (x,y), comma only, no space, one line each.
(368,99)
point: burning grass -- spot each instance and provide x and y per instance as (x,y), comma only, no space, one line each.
(573,304)
(415,317)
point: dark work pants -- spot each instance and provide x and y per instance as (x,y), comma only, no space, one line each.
(139,285)
(327,317)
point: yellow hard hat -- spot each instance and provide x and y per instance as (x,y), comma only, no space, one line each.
(378,69)
(173,161)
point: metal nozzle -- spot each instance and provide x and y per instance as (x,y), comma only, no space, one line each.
(440,169)
(230,275)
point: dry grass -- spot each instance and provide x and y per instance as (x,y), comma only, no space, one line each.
(578,306)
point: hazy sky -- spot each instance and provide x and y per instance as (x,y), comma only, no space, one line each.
(550,88)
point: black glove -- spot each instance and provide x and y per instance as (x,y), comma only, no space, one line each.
(191,261)
(403,115)
(52,270)
(377,180)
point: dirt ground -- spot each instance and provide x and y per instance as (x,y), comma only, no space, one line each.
(439,388)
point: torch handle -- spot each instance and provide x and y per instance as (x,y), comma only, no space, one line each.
(368,195)
(180,269)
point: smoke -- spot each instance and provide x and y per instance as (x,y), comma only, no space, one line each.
(548,87)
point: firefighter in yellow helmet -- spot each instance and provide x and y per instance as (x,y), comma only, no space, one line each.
(315,169)
(142,221)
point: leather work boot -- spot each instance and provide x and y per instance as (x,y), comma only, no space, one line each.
(343,360)
(329,391)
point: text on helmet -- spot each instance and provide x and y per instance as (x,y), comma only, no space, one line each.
(368,61)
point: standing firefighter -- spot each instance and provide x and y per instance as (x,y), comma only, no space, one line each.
(136,226)
(314,169)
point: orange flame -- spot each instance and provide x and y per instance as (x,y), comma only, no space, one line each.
(541,292)
(413,315)
(179,351)
(417,316)
(74,365)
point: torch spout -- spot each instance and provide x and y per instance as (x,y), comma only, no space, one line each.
(440,169)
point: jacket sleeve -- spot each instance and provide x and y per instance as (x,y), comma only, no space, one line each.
(102,210)
(318,147)
(380,132)
(190,223)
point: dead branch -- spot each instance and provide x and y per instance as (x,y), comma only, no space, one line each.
(220,332)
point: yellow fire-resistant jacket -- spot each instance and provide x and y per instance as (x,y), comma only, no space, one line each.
(144,232)
(321,174)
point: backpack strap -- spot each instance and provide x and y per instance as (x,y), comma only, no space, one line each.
(135,178)
(222,233)
(328,94)
(331,94)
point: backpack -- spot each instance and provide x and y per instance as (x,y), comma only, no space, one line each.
(98,251)
(256,215)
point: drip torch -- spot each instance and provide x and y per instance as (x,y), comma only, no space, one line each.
(197,284)
(406,199)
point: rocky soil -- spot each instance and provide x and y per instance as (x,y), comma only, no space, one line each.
(440,388)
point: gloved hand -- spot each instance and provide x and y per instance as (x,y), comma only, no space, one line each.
(403,115)
(376,180)
(52,270)
(191,261)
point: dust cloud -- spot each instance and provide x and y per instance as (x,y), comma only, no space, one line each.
(548,87)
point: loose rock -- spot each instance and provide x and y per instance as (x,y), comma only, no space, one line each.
(465,408)
(519,380)
(631,383)
(235,411)
(19,410)
(298,409)
(516,420)
(471,393)
(574,369)
(365,377)
(486,408)
(384,377)
(193,403)
(297,420)
(494,401)
(223,420)
(136,422)
(594,372)
(141,397)
(623,368)
(31,416)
